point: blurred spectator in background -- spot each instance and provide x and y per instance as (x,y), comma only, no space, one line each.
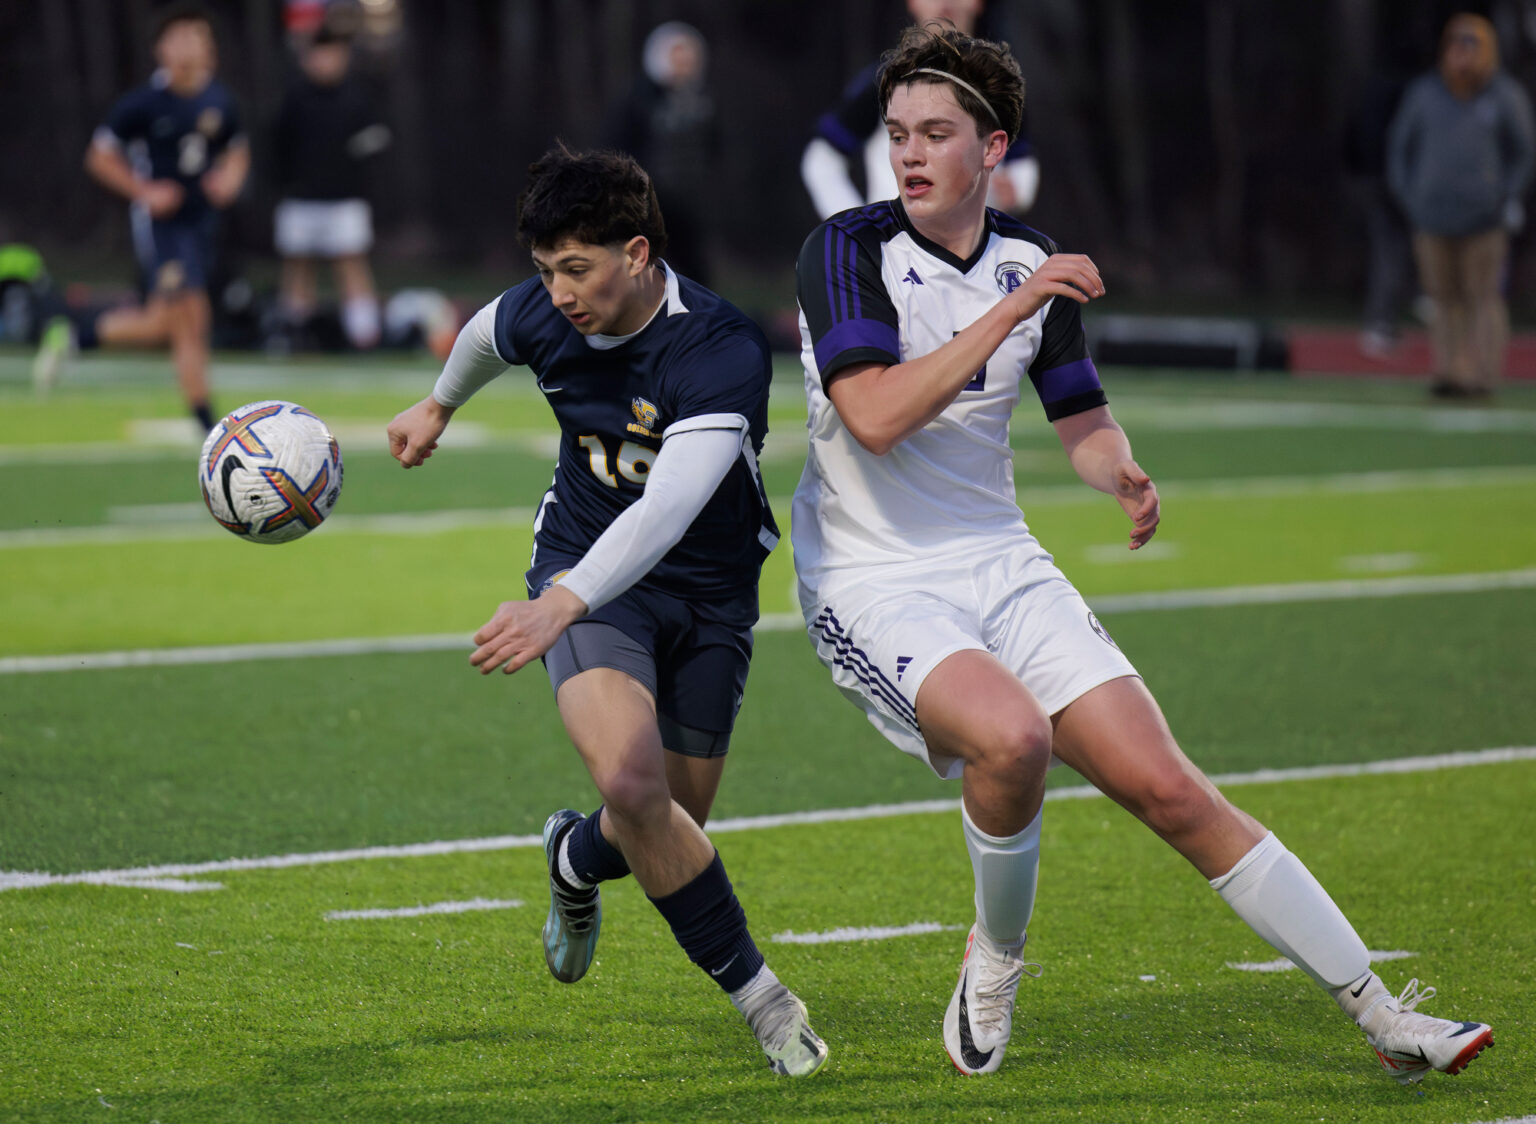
(1389,278)
(176,151)
(852,132)
(1459,159)
(668,124)
(324,141)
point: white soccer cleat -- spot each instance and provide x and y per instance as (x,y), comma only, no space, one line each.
(575,919)
(979,1019)
(778,1021)
(1410,1044)
(56,348)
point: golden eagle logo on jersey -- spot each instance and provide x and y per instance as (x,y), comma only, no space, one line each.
(646,415)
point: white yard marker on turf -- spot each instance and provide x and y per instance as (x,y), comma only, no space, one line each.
(867,933)
(1219,596)
(473,905)
(141,876)
(1285,965)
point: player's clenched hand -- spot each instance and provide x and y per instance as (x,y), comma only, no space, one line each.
(414,432)
(161,198)
(522,631)
(1060,275)
(1138,497)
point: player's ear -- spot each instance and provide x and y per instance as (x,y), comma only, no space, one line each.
(997,148)
(637,254)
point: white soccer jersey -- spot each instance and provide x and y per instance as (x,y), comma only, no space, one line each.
(872,289)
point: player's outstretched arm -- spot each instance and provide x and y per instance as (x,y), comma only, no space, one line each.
(1100,453)
(414,432)
(522,631)
(108,166)
(473,362)
(686,473)
(884,405)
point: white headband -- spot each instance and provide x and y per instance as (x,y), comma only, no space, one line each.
(964,85)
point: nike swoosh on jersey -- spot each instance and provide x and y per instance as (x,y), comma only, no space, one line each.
(971,1056)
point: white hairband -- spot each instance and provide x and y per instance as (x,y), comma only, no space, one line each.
(964,85)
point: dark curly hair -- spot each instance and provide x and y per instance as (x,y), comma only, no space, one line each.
(989,67)
(598,197)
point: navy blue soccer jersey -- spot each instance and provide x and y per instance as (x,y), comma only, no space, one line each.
(698,356)
(167,136)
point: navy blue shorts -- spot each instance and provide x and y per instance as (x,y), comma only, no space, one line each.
(699,651)
(175,255)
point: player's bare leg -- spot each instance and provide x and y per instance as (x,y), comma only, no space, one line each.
(611,719)
(146,325)
(693,782)
(189,323)
(1115,736)
(297,289)
(972,707)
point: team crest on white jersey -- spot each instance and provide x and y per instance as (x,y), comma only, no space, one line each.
(646,415)
(1010,275)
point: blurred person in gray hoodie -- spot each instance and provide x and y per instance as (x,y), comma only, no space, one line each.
(1460,154)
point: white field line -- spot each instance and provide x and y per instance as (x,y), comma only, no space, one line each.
(847,934)
(471,906)
(147,876)
(162,523)
(1346,589)
(181,527)
(1283,964)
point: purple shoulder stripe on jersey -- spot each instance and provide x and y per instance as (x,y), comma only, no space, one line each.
(1068,380)
(837,135)
(858,334)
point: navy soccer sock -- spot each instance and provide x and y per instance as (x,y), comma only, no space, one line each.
(591,856)
(711,926)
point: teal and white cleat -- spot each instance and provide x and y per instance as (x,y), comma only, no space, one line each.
(54,352)
(1410,1044)
(575,917)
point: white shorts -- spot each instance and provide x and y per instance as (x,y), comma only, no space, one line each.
(323,228)
(882,636)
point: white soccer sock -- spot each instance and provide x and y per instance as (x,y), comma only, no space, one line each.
(1006,872)
(563,862)
(1271,890)
(360,318)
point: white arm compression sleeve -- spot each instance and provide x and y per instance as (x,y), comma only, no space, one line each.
(824,171)
(473,362)
(688,469)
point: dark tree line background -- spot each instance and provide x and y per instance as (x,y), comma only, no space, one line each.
(1194,147)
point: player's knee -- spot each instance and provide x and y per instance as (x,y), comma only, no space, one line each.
(1016,752)
(635,794)
(1178,805)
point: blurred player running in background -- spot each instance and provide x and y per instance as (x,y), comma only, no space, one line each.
(939,613)
(642,590)
(851,133)
(175,150)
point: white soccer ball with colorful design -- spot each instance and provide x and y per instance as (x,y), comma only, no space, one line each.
(270,472)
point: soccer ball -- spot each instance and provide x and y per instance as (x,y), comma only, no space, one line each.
(270,472)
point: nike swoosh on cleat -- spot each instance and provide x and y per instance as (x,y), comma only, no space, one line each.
(971,1056)
(1466,1028)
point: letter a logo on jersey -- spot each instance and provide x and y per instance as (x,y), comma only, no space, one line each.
(1010,275)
